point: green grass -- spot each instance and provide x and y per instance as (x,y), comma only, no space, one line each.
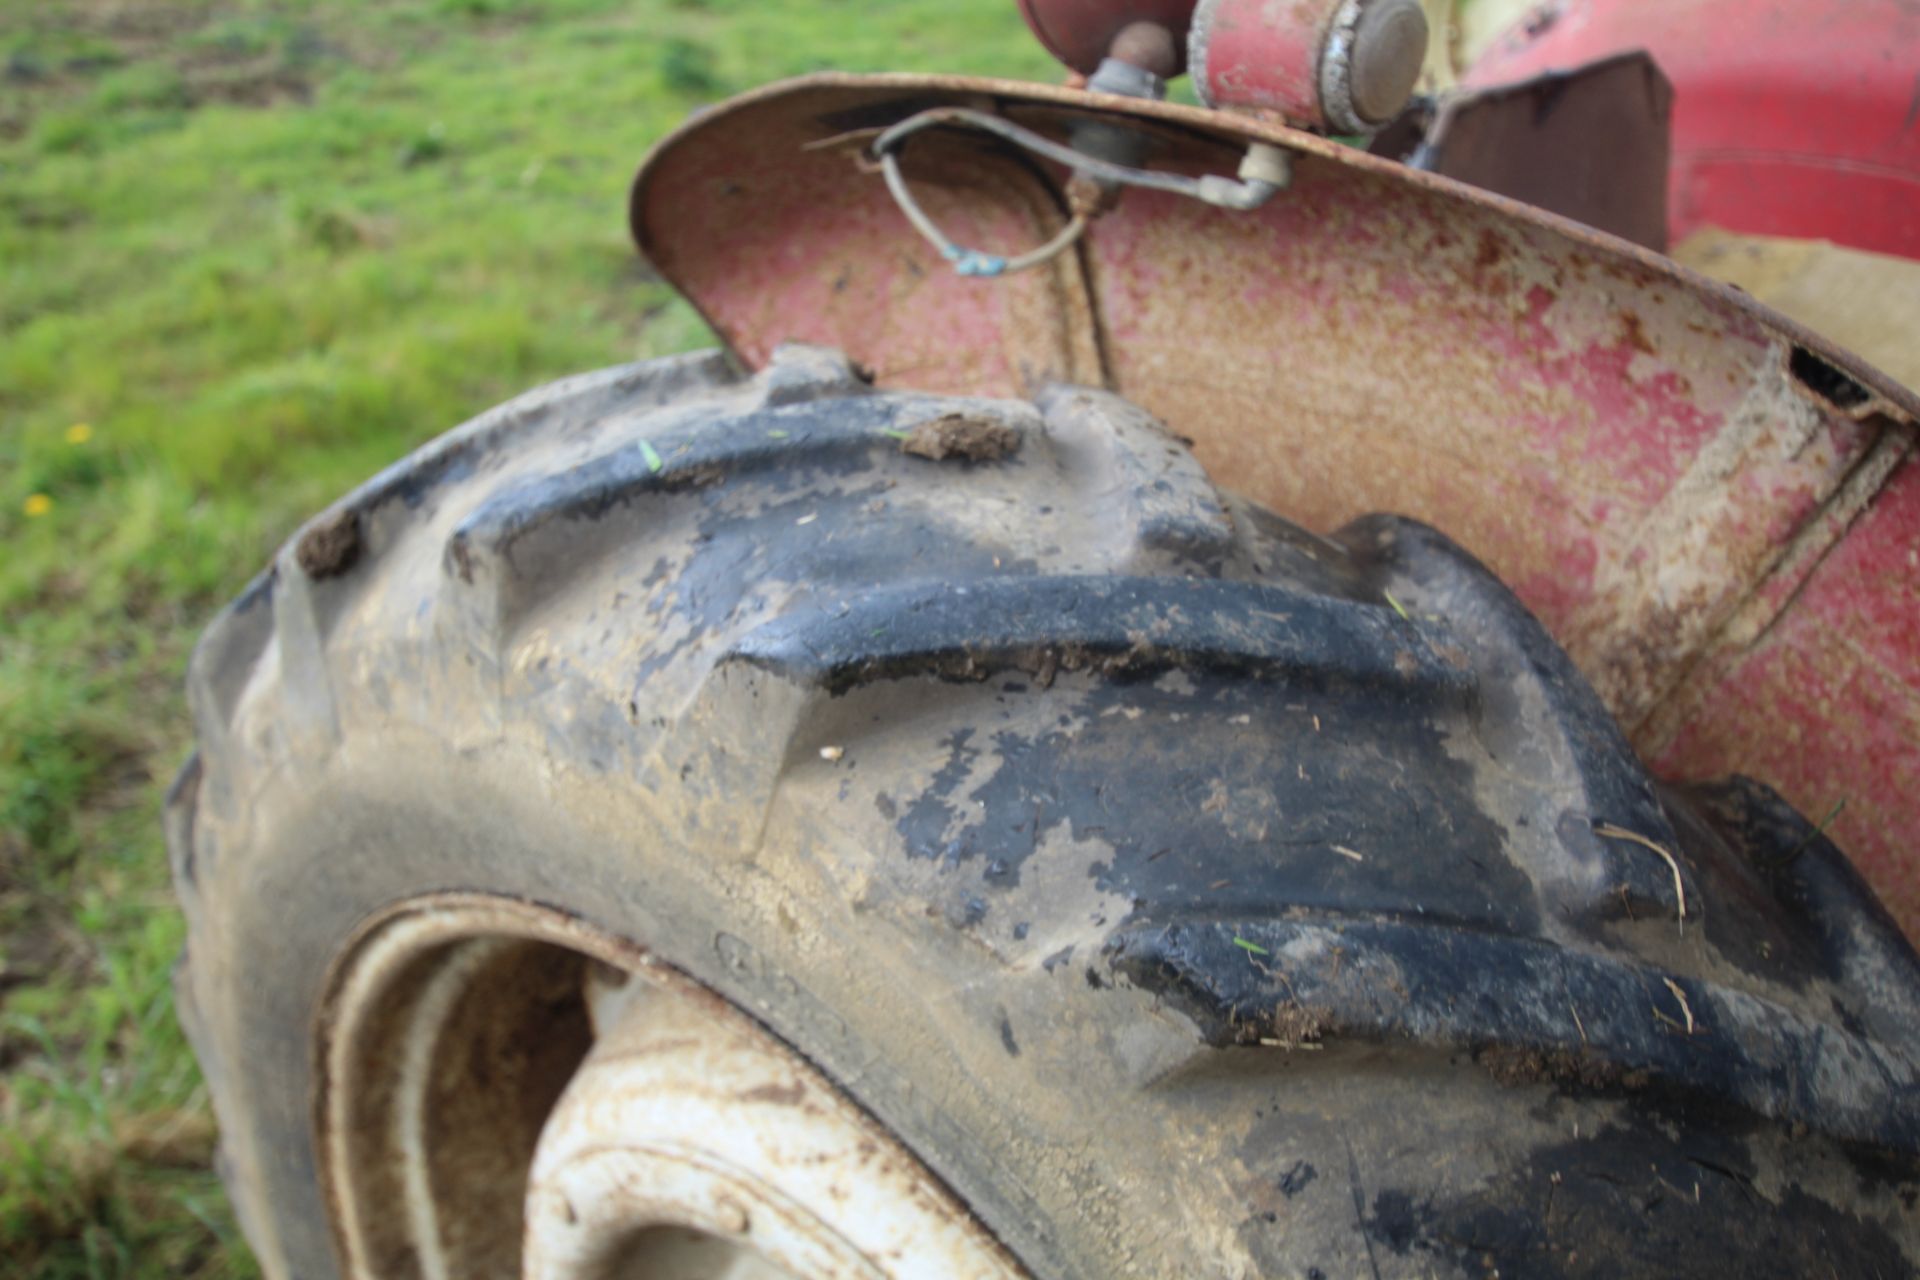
(260,250)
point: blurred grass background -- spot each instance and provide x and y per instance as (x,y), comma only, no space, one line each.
(251,251)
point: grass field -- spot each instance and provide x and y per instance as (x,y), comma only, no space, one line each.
(250,252)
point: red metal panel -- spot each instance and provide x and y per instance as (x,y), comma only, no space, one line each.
(1791,118)
(796,245)
(1263,53)
(1825,703)
(1652,460)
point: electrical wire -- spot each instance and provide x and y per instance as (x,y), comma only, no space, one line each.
(1223,192)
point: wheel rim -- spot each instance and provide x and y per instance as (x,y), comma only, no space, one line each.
(507,1092)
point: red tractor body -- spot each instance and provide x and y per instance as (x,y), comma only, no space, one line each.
(1789,119)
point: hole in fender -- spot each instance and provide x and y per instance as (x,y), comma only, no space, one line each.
(1824,380)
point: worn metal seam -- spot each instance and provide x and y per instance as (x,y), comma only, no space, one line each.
(1818,537)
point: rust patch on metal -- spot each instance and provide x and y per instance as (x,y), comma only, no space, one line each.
(780,1095)
(1634,334)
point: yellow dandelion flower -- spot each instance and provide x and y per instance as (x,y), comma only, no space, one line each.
(79,433)
(36,505)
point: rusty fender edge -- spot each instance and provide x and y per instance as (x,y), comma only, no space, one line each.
(918,92)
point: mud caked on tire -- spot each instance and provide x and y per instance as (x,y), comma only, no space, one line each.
(1193,895)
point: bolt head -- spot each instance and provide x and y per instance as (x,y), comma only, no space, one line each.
(1389,48)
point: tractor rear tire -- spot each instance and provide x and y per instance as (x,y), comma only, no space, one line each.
(1187,894)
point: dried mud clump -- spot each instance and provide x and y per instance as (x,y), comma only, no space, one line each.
(958,436)
(331,547)
(1513,1065)
(1289,1026)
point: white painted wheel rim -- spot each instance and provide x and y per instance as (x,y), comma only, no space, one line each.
(688,1144)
